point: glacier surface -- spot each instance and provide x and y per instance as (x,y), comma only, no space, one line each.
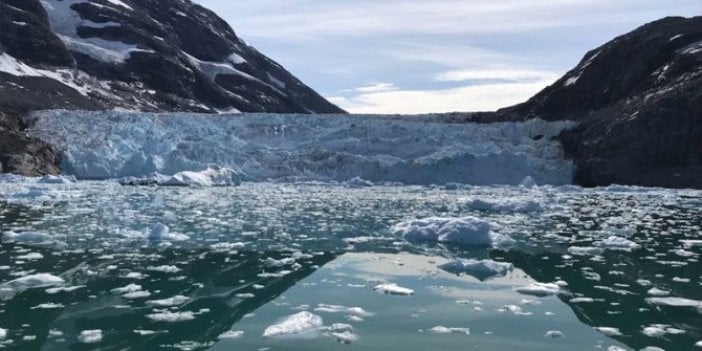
(407,149)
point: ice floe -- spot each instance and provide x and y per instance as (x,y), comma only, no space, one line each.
(393,289)
(468,231)
(539,289)
(506,205)
(302,325)
(449,330)
(90,336)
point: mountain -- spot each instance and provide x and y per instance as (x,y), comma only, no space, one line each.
(146,55)
(638,99)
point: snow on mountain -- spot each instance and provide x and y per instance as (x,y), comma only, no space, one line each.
(147,55)
(408,149)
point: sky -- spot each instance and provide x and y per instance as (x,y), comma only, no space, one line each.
(423,56)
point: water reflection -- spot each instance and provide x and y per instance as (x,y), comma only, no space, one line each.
(221,288)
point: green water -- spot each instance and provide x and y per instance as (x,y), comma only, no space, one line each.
(341,248)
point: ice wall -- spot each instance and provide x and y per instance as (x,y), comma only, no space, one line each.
(407,149)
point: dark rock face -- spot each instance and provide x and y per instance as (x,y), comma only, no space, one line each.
(639,101)
(149,55)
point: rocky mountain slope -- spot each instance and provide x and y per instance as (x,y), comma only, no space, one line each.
(147,55)
(638,99)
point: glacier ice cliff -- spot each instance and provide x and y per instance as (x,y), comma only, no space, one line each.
(408,149)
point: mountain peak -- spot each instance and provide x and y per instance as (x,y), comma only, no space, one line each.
(149,55)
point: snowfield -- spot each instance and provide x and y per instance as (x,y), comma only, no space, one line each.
(259,147)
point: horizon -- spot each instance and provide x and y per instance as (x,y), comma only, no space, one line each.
(446,56)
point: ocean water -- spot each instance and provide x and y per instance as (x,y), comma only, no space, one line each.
(301,266)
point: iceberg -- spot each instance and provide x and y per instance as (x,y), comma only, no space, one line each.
(467,231)
(359,150)
(304,325)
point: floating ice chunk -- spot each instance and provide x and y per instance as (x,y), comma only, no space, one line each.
(50,179)
(90,336)
(357,311)
(345,337)
(652,348)
(32,256)
(554,334)
(172,317)
(660,330)
(609,331)
(127,289)
(691,243)
(25,237)
(446,330)
(40,280)
(528,182)
(171,301)
(232,334)
(582,300)
(271,262)
(514,309)
(506,205)
(699,344)
(481,270)
(3,334)
(469,231)
(161,232)
(358,182)
(585,251)
(674,302)
(539,289)
(48,306)
(658,292)
(137,295)
(393,289)
(617,243)
(212,176)
(304,325)
(164,269)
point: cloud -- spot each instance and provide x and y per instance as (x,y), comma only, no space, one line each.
(373,88)
(503,74)
(485,97)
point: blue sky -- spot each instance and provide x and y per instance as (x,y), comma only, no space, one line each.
(419,56)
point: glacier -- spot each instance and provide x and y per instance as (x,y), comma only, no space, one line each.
(420,150)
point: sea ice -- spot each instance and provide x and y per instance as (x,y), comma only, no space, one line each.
(171,301)
(39,280)
(481,270)
(609,331)
(539,289)
(172,317)
(446,330)
(393,289)
(506,205)
(468,231)
(232,334)
(90,336)
(554,334)
(617,243)
(303,325)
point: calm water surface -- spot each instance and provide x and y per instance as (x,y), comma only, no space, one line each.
(235,261)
